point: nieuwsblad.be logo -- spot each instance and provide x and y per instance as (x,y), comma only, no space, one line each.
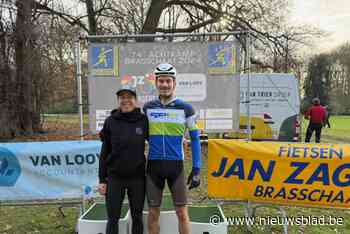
(10,168)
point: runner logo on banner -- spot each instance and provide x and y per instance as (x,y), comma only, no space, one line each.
(221,59)
(281,173)
(105,60)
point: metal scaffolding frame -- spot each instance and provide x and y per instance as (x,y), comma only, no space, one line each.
(77,50)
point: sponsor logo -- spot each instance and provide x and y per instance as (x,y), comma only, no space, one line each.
(139,131)
(10,168)
(163,115)
(104,60)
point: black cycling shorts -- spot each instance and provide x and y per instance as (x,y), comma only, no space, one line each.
(171,171)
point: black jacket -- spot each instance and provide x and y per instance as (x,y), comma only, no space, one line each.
(123,144)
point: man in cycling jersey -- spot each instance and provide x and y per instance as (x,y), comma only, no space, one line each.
(169,117)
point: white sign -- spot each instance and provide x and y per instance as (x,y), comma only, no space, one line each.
(219,114)
(201,114)
(101,115)
(223,124)
(191,87)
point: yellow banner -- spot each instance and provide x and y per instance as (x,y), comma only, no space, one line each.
(291,174)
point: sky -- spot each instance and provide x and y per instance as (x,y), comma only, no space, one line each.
(332,16)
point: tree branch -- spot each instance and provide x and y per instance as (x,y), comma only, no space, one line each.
(189,29)
(207,9)
(68,18)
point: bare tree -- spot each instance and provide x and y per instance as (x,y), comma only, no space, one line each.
(27,68)
(26,62)
(6,73)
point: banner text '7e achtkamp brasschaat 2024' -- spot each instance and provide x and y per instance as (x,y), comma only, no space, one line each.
(280,173)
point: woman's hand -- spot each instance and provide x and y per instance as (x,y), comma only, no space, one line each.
(102,189)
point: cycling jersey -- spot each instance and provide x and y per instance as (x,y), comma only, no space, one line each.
(167,126)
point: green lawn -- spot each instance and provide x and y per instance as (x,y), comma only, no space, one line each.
(338,133)
(39,219)
(64,118)
(48,220)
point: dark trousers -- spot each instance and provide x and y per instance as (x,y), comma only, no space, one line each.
(116,189)
(310,129)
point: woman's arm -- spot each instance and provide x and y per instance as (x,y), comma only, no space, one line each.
(147,128)
(105,151)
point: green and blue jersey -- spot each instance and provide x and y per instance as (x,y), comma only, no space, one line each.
(167,126)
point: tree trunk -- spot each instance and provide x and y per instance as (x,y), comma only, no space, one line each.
(152,19)
(24,66)
(91,17)
(7,122)
(38,87)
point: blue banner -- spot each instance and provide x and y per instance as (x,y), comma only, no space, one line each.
(48,170)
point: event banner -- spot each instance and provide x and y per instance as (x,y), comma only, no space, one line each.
(280,173)
(208,78)
(48,170)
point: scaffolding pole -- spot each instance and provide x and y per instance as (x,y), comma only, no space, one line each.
(79,87)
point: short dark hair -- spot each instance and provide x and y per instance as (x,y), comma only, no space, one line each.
(316,100)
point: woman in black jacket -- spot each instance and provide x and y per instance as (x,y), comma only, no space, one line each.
(122,161)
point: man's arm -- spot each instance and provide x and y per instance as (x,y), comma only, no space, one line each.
(194,179)
(195,142)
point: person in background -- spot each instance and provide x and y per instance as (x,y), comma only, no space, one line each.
(122,161)
(316,115)
(328,116)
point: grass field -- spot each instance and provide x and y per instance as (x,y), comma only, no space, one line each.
(48,219)
(338,133)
